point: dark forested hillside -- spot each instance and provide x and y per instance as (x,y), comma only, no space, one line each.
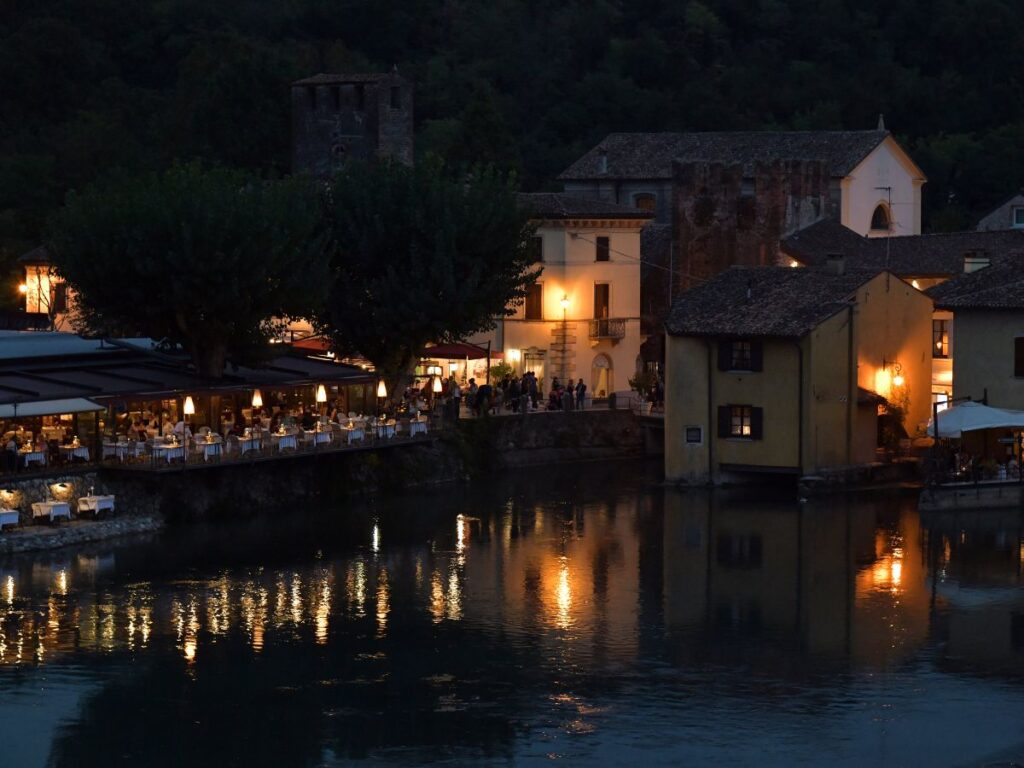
(92,86)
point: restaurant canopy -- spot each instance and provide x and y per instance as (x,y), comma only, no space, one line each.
(456,351)
(48,407)
(971,416)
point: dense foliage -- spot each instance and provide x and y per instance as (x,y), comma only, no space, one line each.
(95,85)
(211,260)
(420,256)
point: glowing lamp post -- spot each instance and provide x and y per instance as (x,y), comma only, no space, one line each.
(565,334)
(321,397)
(382,393)
(189,409)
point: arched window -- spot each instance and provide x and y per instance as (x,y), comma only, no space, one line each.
(880,221)
(645,202)
(601,376)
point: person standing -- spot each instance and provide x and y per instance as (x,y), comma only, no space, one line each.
(581,394)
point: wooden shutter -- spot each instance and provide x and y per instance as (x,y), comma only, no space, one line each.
(756,356)
(756,423)
(1018,356)
(603,250)
(725,355)
(724,420)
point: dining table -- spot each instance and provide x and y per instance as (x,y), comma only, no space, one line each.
(32,457)
(168,451)
(248,443)
(208,446)
(51,509)
(353,433)
(283,440)
(74,452)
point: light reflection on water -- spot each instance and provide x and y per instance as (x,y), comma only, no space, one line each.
(596,616)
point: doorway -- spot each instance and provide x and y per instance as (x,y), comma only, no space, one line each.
(601,376)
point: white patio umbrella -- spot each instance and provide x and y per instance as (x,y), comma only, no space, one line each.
(970,416)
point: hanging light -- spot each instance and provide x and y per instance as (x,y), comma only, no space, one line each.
(437,384)
(565,301)
(321,394)
(190,406)
(257,399)
(22,288)
(382,390)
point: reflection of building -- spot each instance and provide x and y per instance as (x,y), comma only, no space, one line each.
(769,576)
(782,370)
(582,317)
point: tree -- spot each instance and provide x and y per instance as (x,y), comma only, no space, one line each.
(213,260)
(421,256)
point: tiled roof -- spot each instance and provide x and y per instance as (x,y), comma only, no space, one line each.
(936,255)
(339,79)
(650,155)
(557,205)
(38,255)
(1000,286)
(763,302)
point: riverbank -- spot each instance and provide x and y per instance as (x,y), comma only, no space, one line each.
(473,448)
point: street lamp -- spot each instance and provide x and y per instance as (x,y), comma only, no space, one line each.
(565,335)
(382,392)
(189,409)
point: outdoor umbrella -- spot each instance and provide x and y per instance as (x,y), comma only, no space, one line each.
(970,416)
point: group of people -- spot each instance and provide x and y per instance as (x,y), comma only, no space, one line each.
(517,394)
(571,397)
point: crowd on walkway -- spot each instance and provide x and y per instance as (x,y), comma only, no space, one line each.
(512,394)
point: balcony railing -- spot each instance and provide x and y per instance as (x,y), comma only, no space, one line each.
(608,328)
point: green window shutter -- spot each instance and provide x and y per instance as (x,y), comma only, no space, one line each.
(725,355)
(756,423)
(756,356)
(724,420)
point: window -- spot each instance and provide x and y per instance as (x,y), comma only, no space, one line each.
(602,300)
(396,97)
(1018,356)
(940,338)
(744,422)
(602,248)
(59,302)
(534,305)
(740,355)
(739,420)
(537,249)
(694,435)
(1018,218)
(646,202)
(880,219)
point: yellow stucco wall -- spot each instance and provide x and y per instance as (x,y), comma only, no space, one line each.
(984,357)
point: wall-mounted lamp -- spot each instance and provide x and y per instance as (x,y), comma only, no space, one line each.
(565,302)
(22,288)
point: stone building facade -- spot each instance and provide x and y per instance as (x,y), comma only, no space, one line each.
(340,117)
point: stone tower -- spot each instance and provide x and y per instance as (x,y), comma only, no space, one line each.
(338,117)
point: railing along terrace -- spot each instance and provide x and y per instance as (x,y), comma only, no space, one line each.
(608,328)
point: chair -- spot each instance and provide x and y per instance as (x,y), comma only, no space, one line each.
(231,445)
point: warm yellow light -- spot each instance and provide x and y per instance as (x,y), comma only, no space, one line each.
(382,390)
(513,355)
(23,288)
(794,263)
(883,382)
(190,406)
(898,380)
(916,284)
(436,387)
(321,394)
(565,301)
(257,399)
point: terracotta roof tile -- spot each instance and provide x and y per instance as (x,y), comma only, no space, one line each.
(763,302)
(557,205)
(999,286)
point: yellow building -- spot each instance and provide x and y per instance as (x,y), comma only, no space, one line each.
(44,291)
(778,370)
(582,317)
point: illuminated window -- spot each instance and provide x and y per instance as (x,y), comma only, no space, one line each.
(740,421)
(940,338)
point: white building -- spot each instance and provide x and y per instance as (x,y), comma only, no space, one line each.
(582,318)
(1009,215)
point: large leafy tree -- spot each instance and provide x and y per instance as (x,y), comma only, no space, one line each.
(422,255)
(213,260)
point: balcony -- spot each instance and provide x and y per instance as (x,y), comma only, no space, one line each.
(607,328)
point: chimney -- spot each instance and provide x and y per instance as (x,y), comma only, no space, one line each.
(602,160)
(975,260)
(881,121)
(835,263)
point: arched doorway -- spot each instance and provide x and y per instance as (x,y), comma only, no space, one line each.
(601,379)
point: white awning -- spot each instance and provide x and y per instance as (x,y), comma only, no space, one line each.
(971,416)
(48,407)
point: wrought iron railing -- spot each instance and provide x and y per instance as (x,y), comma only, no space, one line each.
(608,328)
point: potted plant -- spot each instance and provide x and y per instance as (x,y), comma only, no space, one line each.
(643,384)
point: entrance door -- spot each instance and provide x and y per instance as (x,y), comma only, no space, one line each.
(601,376)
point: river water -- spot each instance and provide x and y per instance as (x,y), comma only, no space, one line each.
(582,615)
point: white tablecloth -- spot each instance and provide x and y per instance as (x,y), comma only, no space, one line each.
(51,509)
(96,504)
(209,448)
(284,441)
(75,451)
(354,434)
(316,438)
(386,430)
(417,428)
(168,452)
(30,457)
(8,517)
(246,444)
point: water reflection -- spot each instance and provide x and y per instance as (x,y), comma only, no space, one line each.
(525,614)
